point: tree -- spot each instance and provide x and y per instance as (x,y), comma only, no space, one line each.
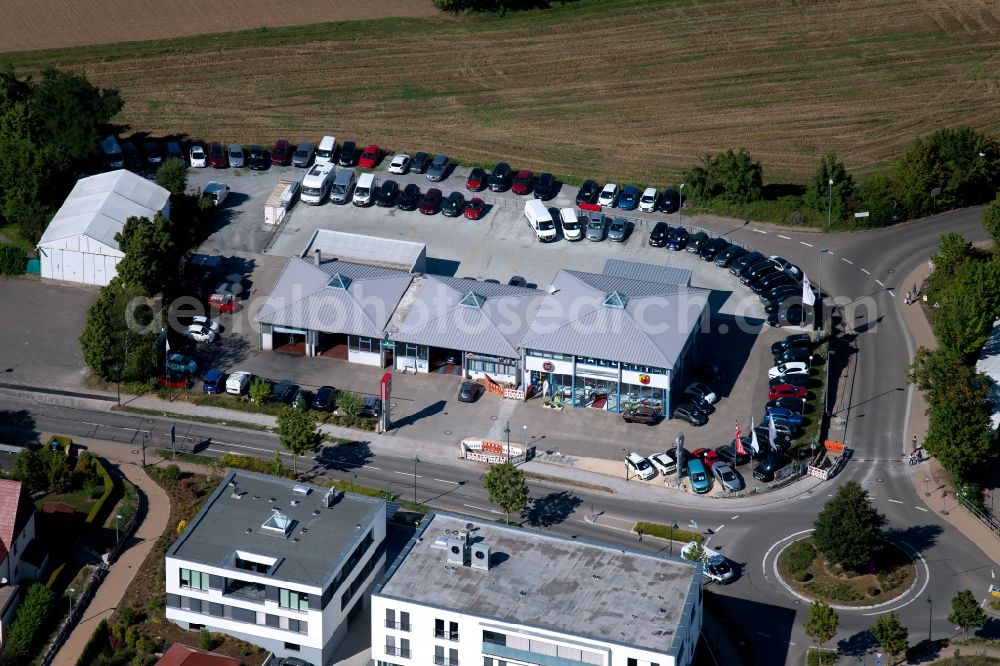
(696,553)
(150,254)
(730,177)
(350,403)
(817,194)
(119,338)
(506,488)
(25,170)
(12,259)
(821,625)
(31,469)
(259,391)
(892,636)
(30,625)
(991,221)
(879,196)
(298,433)
(954,251)
(172,176)
(848,527)
(968,308)
(58,472)
(965,612)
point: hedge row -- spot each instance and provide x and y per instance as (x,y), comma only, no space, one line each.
(665,532)
(99,640)
(254,465)
(12,260)
(109,489)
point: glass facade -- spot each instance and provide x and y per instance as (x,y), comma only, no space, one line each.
(597,384)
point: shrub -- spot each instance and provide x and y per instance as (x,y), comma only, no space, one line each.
(821,658)
(799,556)
(12,260)
(350,403)
(205,641)
(664,532)
(873,591)
(253,465)
(30,625)
(172,472)
(835,591)
(802,576)
(109,488)
(99,641)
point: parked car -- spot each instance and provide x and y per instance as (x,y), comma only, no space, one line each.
(522,182)
(545,186)
(639,466)
(786,427)
(517,281)
(700,481)
(670,201)
(727,453)
(214,382)
(691,413)
(431,201)
(409,198)
(153,152)
(729,255)
(755,272)
(469,391)
(696,242)
(421,161)
(769,282)
(642,414)
(664,463)
(400,163)
(200,333)
(710,250)
(787,403)
(787,391)
(217,156)
(737,265)
(781,442)
(781,292)
(174,151)
(678,239)
(596,227)
(281,154)
(629,199)
(658,236)
(370,157)
(236,156)
(618,229)
(794,315)
(706,455)
(476,181)
(324,400)
(794,378)
(347,154)
(283,392)
(303,155)
(239,382)
(174,381)
(780,413)
(453,205)
(647,202)
(210,324)
(588,192)
(608,196)
(130,154)
(181,364)
(257,158)
(371,407)
(438,168)
(500,177)
(386,194)
(771,464)
(786,368)
(802,340)
(475,208)
(727,477)
(794,354)
(786,266)
(701,391)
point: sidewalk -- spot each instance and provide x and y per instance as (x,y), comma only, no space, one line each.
(941,500)
(112,589)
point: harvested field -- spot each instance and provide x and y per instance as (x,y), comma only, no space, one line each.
(634,90)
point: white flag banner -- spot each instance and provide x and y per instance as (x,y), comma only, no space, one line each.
(753,438)
(808,297)
(772,432)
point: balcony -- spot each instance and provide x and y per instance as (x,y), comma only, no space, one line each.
(402,626)
(397,651)
(448,635)
(445,661)
(242,589)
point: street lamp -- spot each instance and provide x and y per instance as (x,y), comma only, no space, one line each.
(118,517)
(819,288)
(506,431)
(415,461)
(829,207)
(118,381)
(930,615)
(526,440)
(673,526)
(625,456)
(680,203)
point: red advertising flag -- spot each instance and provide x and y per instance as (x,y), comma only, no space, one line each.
(740,449)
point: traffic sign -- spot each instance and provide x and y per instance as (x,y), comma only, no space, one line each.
(927,478)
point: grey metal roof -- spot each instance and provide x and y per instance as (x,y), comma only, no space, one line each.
(652,329)
(989,365)
(636,270)
(319,540)
(303,298)
(98,207)
(444,313)
(386,252)
(546,581)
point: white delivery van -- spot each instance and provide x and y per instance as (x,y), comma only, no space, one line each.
(364,191)
(572,229)
(326,150)
(342,186)
(316,183)
(112,152)
(540,219)
(216,192)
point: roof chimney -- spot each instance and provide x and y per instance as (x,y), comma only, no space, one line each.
(319,256)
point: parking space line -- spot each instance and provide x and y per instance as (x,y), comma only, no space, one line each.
(847,261)
(735,517)
(866,272)
(920,507)
(806,244)
(785,237)
(404,473)
(759,231)
(895,501)
(879,282)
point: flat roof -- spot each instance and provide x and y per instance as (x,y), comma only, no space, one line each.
(548,581)
(359,248)
(309,552)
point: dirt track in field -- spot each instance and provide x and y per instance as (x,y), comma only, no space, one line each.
(51,24)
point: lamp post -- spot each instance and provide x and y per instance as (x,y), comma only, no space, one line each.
(118,517)
(118,381)
(673,526)
(829,207)
(625,456)
(680,203)
(506,431)
(819,288)
(930,615)
(525,440)
(415,461)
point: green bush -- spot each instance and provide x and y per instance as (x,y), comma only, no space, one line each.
(664,532)
(357,422)
(821,658)
(30,625)
(802,576)
(172,472)
(12,260)
(254,465)
(99,641)
(205,641)
(835,591)
(109,488)
(799,556)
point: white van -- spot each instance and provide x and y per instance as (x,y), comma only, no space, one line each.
(364,191)
(216,192)
(326,149)
(112,152)
(572,229)
(540,219)
(316,183)
(342,186)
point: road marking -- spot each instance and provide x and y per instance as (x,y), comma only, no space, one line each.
(719,528)
(830,252)
(865,271)
(791,643)
(759,231)
(895,501)
(404,473)
(735,517)
(920,507)
(879,282)
(847,261)
(980,605)
(478,508)
(763,560)
(447,481)
(806,244)
(377,469)
(785,237)
(891,293)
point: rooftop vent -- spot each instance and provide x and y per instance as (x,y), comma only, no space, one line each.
(249,530)
(330,497)
(339,281)
(616,299)
(551,289)
(458,549)
(302,490)
(523,593)
(472,300)
(232,482)
(481,556)
(237,494)
(319,257)
(315,512)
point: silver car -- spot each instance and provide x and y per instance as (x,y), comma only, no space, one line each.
(596,227)
(437,169)
(236,159)
(303,155)
(727,478)
(616,232)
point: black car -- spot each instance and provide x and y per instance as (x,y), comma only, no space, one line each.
(729,255)
(642,414)
(728,452)
(371,407)
(789,341)
(793,354)
(757,271)
(737,266)
(324,400)
(769,282)
(712,248)
(781,303)
(767,467)
(678,238)
(283,392)
(670,201)
(780,443)
(781,292)
(691,413)
(545,186)
(697,241)
(658,236)
(453,205)
(131,156)
(588,192)
(794,405)
(795,315)
(500,177)
(258,159)
(347,154)
(153,152)
(409,198)
(793,378)
(420,162)
(469,391)
(517,281)
(386,194)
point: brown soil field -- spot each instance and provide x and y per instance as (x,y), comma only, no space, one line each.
(634,90)
(54,24)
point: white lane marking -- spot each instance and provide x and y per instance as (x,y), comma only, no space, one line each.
(879,282)
(830,252)
(895,501)
(478,508)
(865,271)
(980,605)
(763,560)
(759,231)
(785,237)
(920,507)
(377,469)
(735,517)
(396,471)
(447,481)
(719,528)
(847,261)
(806,244)
(892,293)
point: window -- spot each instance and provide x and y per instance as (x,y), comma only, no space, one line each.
(404,647)
(390,620)
(453,631)
(438,628)
(411,350)
(294,600)
(390,645)
(438,652)
(195,580)
(362,344)
(632,662)
(404,622)
(452,657)
(291,647)
(494,637)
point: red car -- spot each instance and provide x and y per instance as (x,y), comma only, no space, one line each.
(522,182)
(217,156)
(222,302)
(370,158)
(475,208)
(708,456)
(431,202)
(282,153)
(173,381)
(787,391)
(477,180)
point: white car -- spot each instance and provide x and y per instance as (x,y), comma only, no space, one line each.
(714,566)
(236,156)
(200,333)
(400,163)
(609,195)
(784,265)
(197,156)
(787,368)
(647,202)
(238,383)
(639,466)
(664,463)
(727,478)
(210,324)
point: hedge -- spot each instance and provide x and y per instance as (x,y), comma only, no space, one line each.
(53,581)
(360,490)
(64,442)
(99,641)
(12,260)
(665,532)
(109,488)
(254,465)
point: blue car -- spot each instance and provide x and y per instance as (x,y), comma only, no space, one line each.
(782,414)
(629,199)
(700,481)
(181,364)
